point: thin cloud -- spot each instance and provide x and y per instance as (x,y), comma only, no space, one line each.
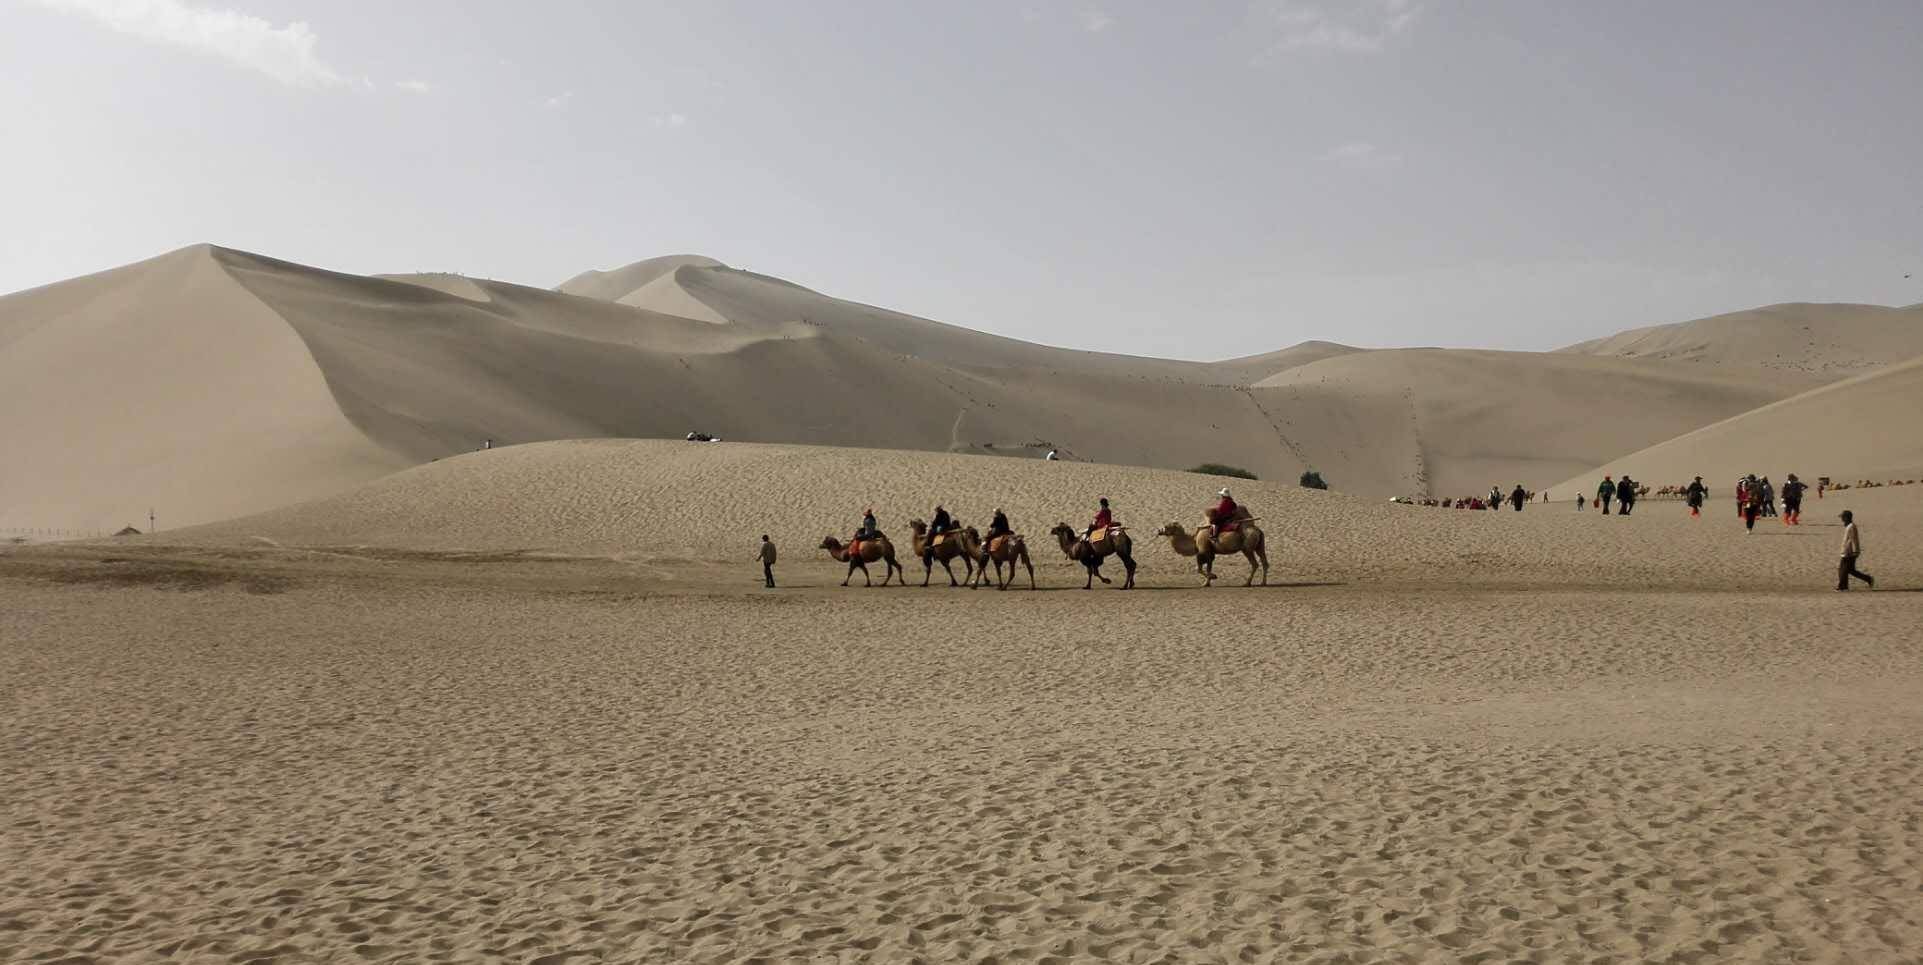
(414,86)
(671,120)
(285,53)
(1361,155)
(1361,26)
(559,101)
(1095,19)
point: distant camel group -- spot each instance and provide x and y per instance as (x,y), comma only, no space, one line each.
(965,543)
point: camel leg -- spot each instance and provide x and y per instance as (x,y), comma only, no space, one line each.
(948,568)
(1128,562)
(851,573)
(1250,556)
(1031,572)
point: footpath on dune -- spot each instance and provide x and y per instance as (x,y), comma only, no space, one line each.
(671,500)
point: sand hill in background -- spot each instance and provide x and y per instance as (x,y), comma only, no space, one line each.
(210,383)
(668,502)
(1826,341)
(1857,429)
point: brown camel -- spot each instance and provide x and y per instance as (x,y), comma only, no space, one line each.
(871,550)
(1247,539)
(1002,549)
(1090,555)
(956,545)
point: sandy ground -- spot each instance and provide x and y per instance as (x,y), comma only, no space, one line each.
(237,752)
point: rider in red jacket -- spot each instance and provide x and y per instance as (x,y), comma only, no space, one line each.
(1222,517)
(1103,520)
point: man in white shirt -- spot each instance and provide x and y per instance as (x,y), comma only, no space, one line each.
(1852,548)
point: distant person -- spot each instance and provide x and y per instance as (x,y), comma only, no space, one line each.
(1606,492)
(1752,503)
(767,558)
(1698,493)
(1625,495)
(1052,455)
(1742,495)
(869,528)
(1793,490)
(1769,497)
(487,443)
(1852,548)
(1582,502)
(1518,496)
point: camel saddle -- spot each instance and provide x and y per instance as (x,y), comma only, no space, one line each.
(940,538)
(1097,539)
(996,543)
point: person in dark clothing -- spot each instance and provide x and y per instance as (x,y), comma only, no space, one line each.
(1625,495)
(1698,493)
(1752,503)
(999,525)
(941,523)
(1605,492)
(1793,501)
(767,558)
(869,529)
(1769,497)
(1518,497)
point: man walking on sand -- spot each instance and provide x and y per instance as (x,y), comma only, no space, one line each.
(1852,548)
(1605,493)
(767,558)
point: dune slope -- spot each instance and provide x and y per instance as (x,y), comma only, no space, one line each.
(1830,341)
(164,385)
(669,501)
(1860,428)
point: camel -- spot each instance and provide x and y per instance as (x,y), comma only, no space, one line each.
(871,550)
(1246,540)
(1090,555)
(957,544)
(1002,549)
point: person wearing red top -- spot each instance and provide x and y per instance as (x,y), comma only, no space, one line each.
(1222,517)
(1103,520)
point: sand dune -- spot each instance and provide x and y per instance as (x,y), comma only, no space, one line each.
(331,732)
(165,385)
(118,414)
(1827,341)
(1860,428)
(1467,420)
(669,501)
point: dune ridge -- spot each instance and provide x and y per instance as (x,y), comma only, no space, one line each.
(429,365)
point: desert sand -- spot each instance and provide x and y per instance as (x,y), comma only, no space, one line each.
(533,705)
(210,383)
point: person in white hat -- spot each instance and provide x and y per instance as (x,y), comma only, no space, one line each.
(1222,517)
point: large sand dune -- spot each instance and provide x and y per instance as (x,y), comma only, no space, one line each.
(211,383)
(666,501)
(1860,428)
(1827,341)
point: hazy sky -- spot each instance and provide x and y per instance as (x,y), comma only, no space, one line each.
(1190,179)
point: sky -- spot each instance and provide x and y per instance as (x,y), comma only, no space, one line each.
(1193,180)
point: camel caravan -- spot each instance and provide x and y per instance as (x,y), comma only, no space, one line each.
(1230,530)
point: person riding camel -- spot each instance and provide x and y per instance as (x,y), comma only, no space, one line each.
(998,526)
(1104,519)
(869,529)
(1222,517)
(938,524)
